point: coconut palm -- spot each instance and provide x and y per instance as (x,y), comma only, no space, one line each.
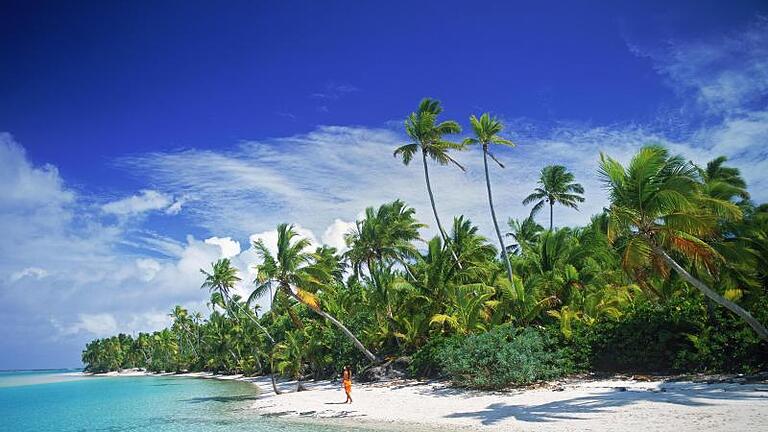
(427,135)
(722,181)
(382,239)
(487,130)
(525,234)
(221,281)
(657,210)
(297,274)
(556,187)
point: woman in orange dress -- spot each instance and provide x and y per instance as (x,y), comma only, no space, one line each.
(346,380)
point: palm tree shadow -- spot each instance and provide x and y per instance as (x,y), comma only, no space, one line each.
(224,399)
(577,408)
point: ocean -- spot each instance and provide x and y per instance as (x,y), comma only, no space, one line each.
(66,401)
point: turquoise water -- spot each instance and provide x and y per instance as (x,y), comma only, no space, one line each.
(63,401)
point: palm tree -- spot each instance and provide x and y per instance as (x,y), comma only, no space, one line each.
(658,208)
(525,234)
(382,239)
(427,135)
(487,132)
(221,281)
(557,186)
(724,182)
(296,274)
(290,355)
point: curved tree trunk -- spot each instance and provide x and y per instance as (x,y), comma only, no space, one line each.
(359,345)
(272,342)
(434,209)
(493,214)
(717,298)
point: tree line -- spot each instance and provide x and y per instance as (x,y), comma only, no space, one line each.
(671,276)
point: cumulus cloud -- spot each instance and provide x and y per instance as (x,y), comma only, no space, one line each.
(102,324)
(229,247)
(148,268)
(334,235)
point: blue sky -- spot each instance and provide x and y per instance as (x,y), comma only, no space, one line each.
(141,141)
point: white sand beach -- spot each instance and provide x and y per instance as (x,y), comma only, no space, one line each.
(617,404)
(601,405)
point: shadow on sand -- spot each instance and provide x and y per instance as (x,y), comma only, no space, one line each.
(575,408)
(224,399)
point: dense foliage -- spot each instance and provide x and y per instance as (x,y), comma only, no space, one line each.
(505,355)
(673,276)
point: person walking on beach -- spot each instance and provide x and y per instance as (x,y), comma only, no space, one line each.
(346,381)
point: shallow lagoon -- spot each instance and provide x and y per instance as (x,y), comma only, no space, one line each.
(63,401)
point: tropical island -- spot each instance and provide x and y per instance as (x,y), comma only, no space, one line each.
(671,279)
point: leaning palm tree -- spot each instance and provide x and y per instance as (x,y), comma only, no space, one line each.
(427,135)
(658,209)
(556,187)
(221,281)
(297,274)
(487,132)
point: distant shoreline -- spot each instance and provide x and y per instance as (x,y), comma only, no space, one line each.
(613,404)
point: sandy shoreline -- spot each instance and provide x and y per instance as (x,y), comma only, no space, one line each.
(597,405)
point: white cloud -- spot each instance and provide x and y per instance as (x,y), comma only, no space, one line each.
(334,235)
(26,187)
(148,268)
(105,324)
(229,247)
(32,272)
(146,200)
(101,324)
(725,74)
(175,208)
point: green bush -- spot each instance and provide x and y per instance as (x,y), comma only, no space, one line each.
(426,361)
(678,336)
(726,344)
(505,356)
(647,338)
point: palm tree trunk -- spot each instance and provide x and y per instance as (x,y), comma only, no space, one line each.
(434,209)
(551,213)
(493,214)
(272,342)
(272,372)
(717,298)
(341,327)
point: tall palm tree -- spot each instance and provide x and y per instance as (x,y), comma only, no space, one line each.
(427,135)
(658,209)
(297,275)
(557,187)
(487,132)
(221,281)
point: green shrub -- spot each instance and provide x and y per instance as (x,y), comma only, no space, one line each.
(426,361)
(505,356)
(678,336)
(726,344)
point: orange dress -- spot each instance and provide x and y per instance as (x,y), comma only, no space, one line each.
(347,383)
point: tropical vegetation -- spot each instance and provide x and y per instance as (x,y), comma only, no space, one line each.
(672,276)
